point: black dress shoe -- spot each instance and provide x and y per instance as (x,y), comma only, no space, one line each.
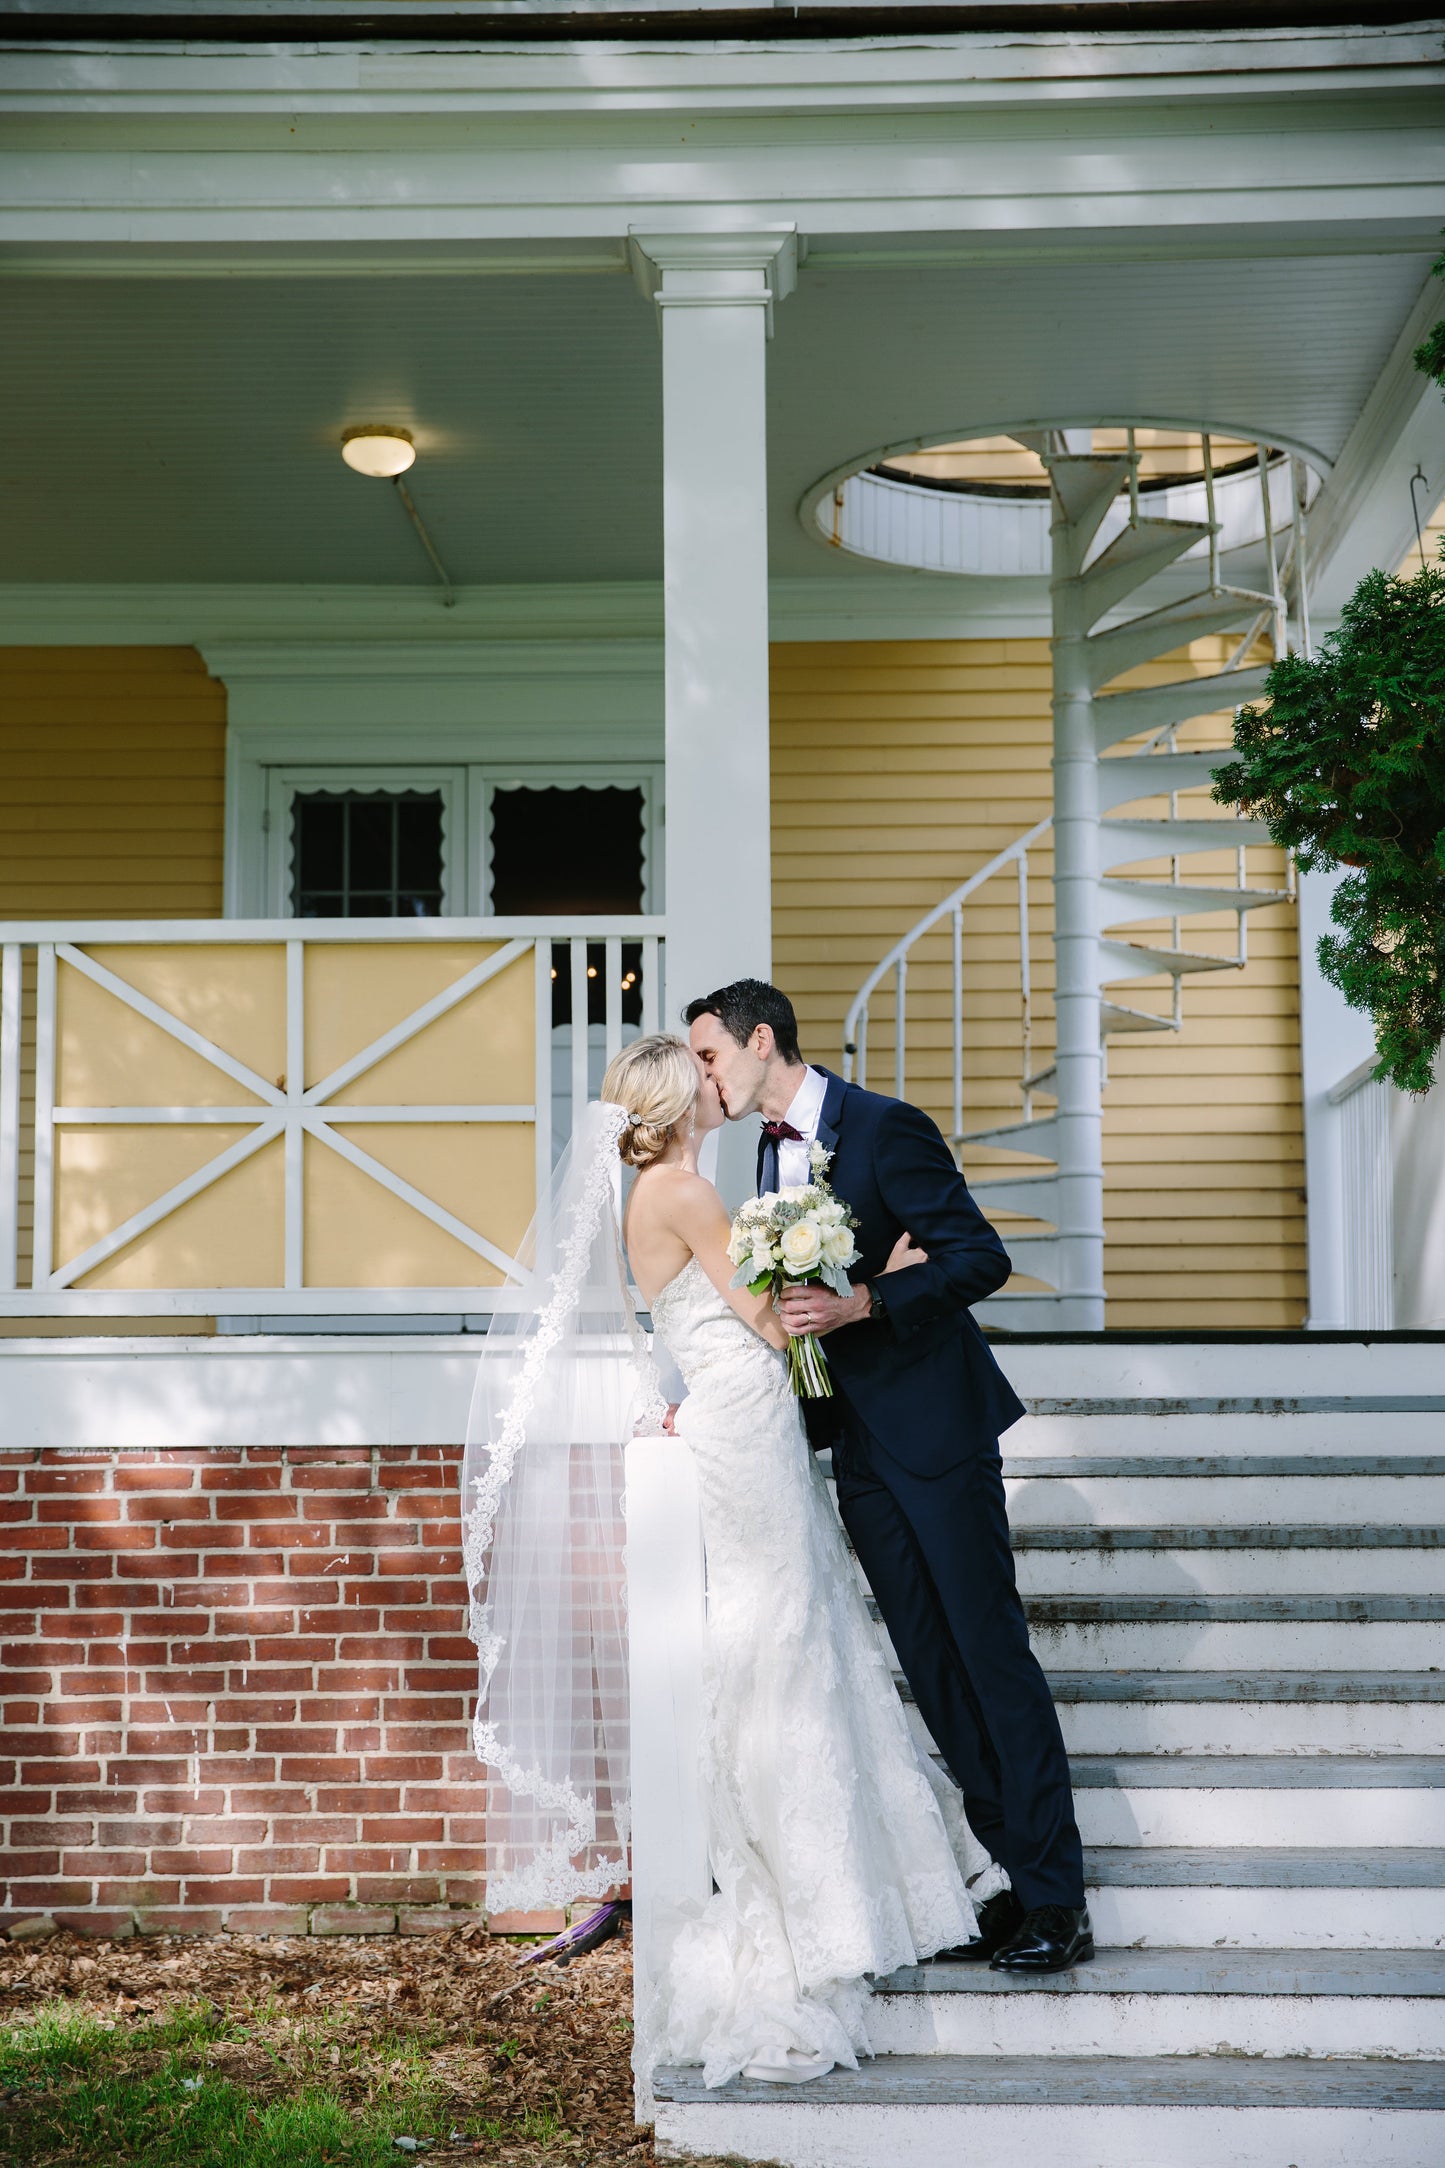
(1052,1938)
(999,1919)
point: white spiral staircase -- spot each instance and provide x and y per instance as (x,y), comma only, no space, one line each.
(1098,506)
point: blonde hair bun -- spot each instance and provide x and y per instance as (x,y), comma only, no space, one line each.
(655,1079)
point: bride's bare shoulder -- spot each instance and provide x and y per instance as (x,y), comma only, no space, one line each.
(666,1195)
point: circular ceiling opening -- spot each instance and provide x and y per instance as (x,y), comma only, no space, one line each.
(980,505)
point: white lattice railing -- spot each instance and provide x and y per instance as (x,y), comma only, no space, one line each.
(289,1116)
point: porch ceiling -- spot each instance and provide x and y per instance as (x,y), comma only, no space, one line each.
(185,430)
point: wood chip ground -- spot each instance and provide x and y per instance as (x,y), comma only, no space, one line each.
(522,2047)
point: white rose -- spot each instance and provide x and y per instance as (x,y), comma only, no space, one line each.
(801,1245)
(797,1193)
(761,1264)
(831,1213)
(739,1243)
(838,1246)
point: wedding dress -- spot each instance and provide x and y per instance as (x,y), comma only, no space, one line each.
(837,1849)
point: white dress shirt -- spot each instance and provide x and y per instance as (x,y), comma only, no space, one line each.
(805,1113)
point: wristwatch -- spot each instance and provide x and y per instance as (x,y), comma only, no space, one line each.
(875,1305)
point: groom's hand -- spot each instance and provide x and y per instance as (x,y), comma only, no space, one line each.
(815,1309)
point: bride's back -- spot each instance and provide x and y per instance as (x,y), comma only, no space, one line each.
(657,1250)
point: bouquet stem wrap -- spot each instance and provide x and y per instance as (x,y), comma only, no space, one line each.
(790,1236)
(808,1368)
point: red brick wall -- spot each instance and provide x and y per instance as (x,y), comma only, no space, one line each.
(236,1690)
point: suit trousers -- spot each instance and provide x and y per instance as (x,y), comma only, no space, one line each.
(936,1553)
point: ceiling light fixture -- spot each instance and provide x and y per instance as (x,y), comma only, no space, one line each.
(378,450)
(384,454)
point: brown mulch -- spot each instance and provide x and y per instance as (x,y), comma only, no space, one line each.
(503,2039)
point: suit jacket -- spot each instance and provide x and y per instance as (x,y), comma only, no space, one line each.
(922,1379)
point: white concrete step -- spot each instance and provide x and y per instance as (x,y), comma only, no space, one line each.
(1383,2003)
(1261,1898)
(1147,1374)
(1251,1712)
(1196,1425)
(1234,1726)
(1198,1641)
(1198,1633)
(1085,2112)
(1205,1558)
(1275,1800)
(1162,1497)
(1227,1568)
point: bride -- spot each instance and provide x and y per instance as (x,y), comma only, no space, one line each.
(837,1849)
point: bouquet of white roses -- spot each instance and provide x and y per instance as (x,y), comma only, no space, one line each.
(788,1235)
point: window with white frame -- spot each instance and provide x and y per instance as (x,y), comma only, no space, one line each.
(342,839)
(366,842)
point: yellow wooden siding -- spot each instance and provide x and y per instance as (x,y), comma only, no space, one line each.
(112,793)
(900,767)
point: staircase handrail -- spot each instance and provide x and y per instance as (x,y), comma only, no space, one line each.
(896,960)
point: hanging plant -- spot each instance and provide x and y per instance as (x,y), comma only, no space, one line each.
(1346,762)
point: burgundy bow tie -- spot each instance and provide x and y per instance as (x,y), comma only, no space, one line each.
(776,1131)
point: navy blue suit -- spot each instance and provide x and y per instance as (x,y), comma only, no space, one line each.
(920,1403)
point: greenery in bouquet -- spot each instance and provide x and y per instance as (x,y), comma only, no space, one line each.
(792,1235)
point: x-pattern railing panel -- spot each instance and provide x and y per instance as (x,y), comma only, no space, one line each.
(299,1114)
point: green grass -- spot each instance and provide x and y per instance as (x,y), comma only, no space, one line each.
(79,2091)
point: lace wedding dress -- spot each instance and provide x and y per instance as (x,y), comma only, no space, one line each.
(837,1849)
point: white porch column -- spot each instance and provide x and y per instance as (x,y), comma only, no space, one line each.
(1079,1065)
(715,294)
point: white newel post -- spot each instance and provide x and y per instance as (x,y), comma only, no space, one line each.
(715,294)
(665,1598)
(1336,1041)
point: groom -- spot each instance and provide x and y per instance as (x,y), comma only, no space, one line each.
(920,1403)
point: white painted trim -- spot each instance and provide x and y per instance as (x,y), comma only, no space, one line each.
(690,269)
(1003,67)
(43,1230)
(1362,517)
(368,634)
(1363,1073)
(459,716)
(429,654)
(11,985)
(191,1117)
(96,933)
(487,777)
(148,1392)
(199,1302)
(542,1063)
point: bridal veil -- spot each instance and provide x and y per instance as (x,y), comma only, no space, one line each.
(564,1380)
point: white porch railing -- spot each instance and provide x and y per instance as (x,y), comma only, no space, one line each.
(295,1116)
(855,1027)
(1367,1179)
